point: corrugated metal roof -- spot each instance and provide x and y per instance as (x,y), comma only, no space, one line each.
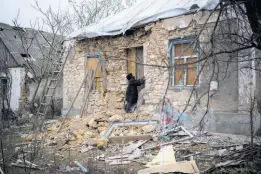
(140,14)
(22,41)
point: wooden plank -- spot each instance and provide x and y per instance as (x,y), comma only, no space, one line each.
(191,76)
(179,167)
(131,65)
(179,76)
(171,142)
(129,138)
(192,60)
(179,72)
(133,146)
(139,67)
(177,50)
(187,49)
(98,83)
(92,64)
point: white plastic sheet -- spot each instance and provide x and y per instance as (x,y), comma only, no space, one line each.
(142,13)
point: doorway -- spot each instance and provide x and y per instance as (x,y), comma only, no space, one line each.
(135,65)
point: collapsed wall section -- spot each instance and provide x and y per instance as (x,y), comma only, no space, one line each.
(155,39)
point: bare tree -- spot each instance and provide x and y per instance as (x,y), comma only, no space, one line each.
(87,12)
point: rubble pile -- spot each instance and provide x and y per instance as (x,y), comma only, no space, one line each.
(202,153)
(126,139)
(75,131)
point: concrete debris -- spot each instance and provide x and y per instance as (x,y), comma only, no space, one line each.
(86,149)
(133,146)
(115,118)
(67,168)
(29,137)
(101,157)
(123,159)
(92,123)
(90,142)
(148,128)
(102,143)
(51,143)
(102,129)
(222,152)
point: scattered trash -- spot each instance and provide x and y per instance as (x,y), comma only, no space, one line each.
(83,169)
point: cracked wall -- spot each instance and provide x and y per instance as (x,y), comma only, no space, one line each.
(155,41)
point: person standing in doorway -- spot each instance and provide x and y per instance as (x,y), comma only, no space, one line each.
(132,91)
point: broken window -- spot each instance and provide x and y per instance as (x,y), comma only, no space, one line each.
(27,57)
(135,63)
(92,64)
(184,57)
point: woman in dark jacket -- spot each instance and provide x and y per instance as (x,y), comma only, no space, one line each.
(132,91)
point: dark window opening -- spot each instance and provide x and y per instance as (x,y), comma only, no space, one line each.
(25,55)
(4,83)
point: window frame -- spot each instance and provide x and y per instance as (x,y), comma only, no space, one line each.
(172,59)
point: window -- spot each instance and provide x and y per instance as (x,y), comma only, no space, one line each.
(184,58)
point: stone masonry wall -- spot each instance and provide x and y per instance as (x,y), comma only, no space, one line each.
(155,41)
(73,76)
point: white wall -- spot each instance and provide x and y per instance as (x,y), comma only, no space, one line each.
(17,75)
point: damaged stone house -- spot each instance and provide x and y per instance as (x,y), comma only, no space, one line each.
(26,61)
(145,40)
